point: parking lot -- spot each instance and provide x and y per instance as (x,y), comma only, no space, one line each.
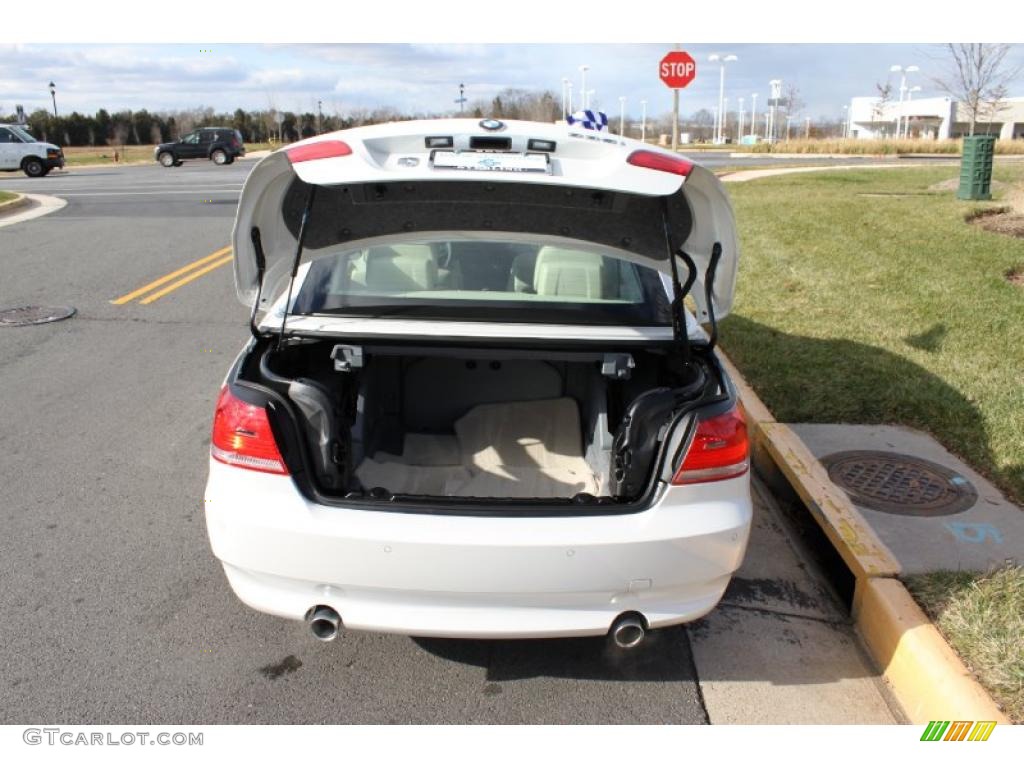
(115,610)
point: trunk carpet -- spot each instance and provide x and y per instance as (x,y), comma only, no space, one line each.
(502,450)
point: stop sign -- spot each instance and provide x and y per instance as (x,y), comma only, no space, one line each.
(677,69)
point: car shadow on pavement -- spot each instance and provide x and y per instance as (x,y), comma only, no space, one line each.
(665,655)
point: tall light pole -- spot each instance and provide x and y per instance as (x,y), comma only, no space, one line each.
(807,130)
(461,101)
(565,83)
(569,83)
(643,119)
(904,71)
(622,115)
(753,114)
(319,117)
(776,86)
(583,83)
(53,95)
(846,121)
(725,120)
(910,97)
(739,123)
(722,61)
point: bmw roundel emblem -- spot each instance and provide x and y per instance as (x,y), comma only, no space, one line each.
(490,124)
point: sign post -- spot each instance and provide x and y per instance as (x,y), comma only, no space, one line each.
(677,70)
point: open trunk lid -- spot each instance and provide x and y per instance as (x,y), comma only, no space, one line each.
(381,183)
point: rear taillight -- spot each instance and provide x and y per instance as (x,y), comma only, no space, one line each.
(319,150)
(720,450)
(658,161)
(242,436)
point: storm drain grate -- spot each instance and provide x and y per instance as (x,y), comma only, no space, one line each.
(900,484)
(32,315)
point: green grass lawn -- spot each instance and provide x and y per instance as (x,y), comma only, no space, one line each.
(5,196)
(863,297)
(982,617)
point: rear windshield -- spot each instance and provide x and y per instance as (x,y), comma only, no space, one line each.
(486,280)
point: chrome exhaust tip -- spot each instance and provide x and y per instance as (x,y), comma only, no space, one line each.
(324,622)
(628,631)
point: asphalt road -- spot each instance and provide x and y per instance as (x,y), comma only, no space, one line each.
(113,609)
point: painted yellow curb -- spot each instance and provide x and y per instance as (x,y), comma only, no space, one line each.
(928,677)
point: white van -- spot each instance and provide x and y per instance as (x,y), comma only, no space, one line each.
(19,151)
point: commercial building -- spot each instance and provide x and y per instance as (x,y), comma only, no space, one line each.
(938,117)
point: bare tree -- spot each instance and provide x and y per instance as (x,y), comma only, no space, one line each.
(882,102)
(978,77)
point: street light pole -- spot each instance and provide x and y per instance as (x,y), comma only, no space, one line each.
(753,114)
(565,82)
(807,131)
(319,117)
(622,115)
(739,123)
(846,121)
(643,120)
(903,88)
(53,95)
(725,120)
(583,83)
(461,101)
(776,86)
(569,83)
(720,123)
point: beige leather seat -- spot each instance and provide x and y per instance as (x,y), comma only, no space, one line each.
(401,268)
(563,272)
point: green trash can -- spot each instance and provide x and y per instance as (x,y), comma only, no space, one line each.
(976,168)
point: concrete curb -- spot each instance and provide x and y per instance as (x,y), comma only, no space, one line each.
(35,206)
(19,202)
(927,677)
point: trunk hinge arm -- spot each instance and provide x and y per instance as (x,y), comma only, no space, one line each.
(261,265)
(679,291)
(709,290)
(298,257)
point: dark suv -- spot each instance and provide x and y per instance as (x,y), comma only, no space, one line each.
(222,145)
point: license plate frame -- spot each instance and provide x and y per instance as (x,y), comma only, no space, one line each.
(477,161)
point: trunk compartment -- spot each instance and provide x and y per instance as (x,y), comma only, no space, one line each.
(395,423)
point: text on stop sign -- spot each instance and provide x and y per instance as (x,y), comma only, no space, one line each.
(677,68)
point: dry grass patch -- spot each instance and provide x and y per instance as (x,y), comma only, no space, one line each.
(982,617)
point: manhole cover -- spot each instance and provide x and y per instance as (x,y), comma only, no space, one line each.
(900,484)
(34,315)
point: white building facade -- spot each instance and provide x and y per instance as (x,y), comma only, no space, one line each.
(938,117)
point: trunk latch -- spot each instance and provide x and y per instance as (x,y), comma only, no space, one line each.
(346,357)
(617,365)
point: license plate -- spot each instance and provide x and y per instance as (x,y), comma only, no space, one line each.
(535,162)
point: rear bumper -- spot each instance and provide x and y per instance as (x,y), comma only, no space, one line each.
(445,576)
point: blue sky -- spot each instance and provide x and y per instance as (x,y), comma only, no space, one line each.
(424,77)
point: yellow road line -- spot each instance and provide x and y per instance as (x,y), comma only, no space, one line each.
(176,273)
(185,280)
